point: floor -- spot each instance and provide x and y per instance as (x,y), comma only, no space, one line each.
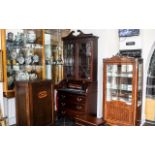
(64,122)
(149,123)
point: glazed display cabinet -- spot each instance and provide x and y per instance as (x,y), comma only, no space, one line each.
(23,57)
(122,90)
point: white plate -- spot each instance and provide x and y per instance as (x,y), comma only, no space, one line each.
(28,60)
(21,60)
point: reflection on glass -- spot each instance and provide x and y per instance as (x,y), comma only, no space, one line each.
(69,60)
(48,56)
(24,55)
(85,52)
(119,85)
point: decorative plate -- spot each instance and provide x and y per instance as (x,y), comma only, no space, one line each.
(13,54)
(31,36)
(20,60)
(28,60)
(35,58)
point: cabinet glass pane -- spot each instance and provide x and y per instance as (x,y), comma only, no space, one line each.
(1,70)
(24,55)
(119,83)
(85,51)
(48,55)
(150,89)
(140,82)
(69,58)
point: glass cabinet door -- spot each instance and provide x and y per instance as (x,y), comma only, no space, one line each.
(24,55)
(85,55)
(119,83)
(69,58)
(48,55)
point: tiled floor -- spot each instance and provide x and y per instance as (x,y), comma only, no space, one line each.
(64,122)
(149,123)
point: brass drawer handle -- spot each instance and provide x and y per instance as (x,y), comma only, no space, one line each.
(63,96)
(63,112)
(79,99)
(78,107)
(63,104)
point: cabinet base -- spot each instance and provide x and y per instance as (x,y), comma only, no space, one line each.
(88,120)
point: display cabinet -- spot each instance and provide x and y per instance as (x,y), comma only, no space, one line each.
(80,75)
(23,57)
(122,90)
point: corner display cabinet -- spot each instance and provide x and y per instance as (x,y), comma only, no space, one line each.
(122,90)
(23,57)
(75,92)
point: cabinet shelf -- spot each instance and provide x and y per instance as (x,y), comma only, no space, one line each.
(120,75)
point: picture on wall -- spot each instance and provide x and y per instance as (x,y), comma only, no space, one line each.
(128,32)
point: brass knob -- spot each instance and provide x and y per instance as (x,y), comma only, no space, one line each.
(63,96)
(79,99)
(63,104)
(78,107)
(63,112)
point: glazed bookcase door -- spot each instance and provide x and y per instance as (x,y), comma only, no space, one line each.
(69,60)
(85,59)
(23,56)
(119,90)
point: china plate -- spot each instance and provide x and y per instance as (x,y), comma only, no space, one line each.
(35,58)
(13,54)
(21,60)
(28,60)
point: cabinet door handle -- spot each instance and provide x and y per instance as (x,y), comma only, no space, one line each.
(79,99)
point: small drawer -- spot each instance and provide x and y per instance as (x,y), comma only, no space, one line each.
(80,99)
(76,107)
